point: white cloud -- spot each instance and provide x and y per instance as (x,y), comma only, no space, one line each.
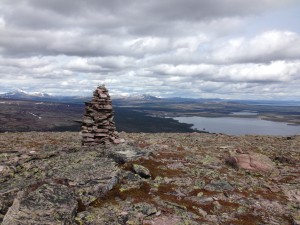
(265,47)
(172,47)
(277,71)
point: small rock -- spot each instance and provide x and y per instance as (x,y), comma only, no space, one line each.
(218,185)
(284,159)
(224,147)
(166,220)
(141,170)
(175,165)
(293,195)
(172,204)
(212,218)
(6,171)
(200,194)
(296,218)
(144,208)
(207,199)
(123,217)
(131,176)
(202,212)
(217,205)
(117,141)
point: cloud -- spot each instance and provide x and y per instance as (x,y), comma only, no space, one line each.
(130,12)
(277,71)
(166,48)
(268,46)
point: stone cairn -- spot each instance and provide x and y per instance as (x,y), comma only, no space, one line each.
(97,124)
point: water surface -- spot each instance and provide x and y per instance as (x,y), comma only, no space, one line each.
(240,126)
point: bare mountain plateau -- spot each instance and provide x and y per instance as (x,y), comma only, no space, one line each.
(169,174)
(153,178)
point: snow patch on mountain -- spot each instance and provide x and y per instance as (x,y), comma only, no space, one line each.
(135,97)
(21,93)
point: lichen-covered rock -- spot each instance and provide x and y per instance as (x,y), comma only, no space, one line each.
(6,172)
(89,173)
(48,204)
(141,170)
(219,185)
(6,200)
(91,176)
(106,215)
(296,217)
(123,153)
(166,220)
(144,208)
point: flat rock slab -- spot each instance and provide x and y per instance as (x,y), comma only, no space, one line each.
(48,204)
(86,172)
(90,174)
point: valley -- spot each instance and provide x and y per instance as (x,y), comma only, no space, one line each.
(24,116)
(149,115)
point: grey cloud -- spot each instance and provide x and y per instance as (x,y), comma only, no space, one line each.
(266,47)
(153,47)
(114,62)
(128,14)
(278,71)
(159,10)
(100,28)
(73,43)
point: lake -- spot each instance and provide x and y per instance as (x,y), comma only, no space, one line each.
(240,126)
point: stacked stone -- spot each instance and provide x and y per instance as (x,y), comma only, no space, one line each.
(97,124)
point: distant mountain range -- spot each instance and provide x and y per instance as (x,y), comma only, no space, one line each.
(19,94)
(41,96)
(25,95)
(136,97)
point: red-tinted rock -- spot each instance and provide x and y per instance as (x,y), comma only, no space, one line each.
(254,162)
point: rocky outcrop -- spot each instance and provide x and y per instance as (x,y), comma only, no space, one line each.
(48,204)
(254,161)
(98,126)
(189,183)
(63,174)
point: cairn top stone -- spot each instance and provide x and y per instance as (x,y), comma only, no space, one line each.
(98,126)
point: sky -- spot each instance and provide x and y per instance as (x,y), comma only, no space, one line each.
(230,49)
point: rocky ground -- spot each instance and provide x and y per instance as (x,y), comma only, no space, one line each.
(162,178)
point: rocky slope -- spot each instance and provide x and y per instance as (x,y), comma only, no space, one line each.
(163,178)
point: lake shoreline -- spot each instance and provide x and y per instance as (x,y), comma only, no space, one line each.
(291,120)
(240,125)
